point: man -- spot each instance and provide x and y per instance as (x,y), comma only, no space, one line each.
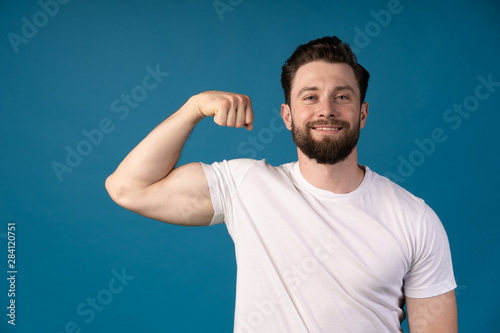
(322,244)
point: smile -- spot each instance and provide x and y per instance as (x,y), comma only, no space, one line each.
(327,128)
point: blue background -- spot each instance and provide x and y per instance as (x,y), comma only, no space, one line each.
(64,79)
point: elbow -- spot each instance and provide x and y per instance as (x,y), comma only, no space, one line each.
(116,190)
(125,193)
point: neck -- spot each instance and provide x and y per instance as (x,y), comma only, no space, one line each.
(342,177)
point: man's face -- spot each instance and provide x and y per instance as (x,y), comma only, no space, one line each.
(325,115)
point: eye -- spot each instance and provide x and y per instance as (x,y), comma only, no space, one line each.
(309,98)
(343,98)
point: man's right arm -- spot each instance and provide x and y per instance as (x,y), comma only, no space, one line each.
(147,181)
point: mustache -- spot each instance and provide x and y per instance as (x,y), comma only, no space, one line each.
(332,122)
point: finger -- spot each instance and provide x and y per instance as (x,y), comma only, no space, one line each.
(241,111)
(231,112)
(249,116)
(220,116)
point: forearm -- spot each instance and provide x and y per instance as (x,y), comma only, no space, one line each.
(155,156)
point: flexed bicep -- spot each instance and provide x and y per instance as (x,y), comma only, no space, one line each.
(182,198)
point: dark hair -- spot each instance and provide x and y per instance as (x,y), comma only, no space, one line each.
(329,49)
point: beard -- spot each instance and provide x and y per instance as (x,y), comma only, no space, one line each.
(330,149)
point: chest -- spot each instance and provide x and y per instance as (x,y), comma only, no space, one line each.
(310,241)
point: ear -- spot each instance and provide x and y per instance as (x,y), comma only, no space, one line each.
(286,114)
(363,115)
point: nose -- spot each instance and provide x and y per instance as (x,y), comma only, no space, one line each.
(327,109)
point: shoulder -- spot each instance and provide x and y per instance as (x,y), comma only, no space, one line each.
(396,196)
(240,165)
(418,219)
(242,168)
(246,164)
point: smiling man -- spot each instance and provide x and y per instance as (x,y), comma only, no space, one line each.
(322,244)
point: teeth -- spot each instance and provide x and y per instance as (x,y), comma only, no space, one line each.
(328,128)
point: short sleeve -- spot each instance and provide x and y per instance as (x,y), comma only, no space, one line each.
(223,181)
(217,191)
(431,270)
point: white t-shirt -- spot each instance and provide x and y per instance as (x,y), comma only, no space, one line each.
(310,260)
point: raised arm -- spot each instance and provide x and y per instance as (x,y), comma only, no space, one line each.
(146,181)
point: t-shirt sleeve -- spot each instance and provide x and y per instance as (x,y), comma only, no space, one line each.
(223,181)
(431,270)
(217,190)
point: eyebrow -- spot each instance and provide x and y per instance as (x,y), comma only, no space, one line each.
(337,88)
(306,89)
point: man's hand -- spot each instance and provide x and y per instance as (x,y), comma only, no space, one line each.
(228,109)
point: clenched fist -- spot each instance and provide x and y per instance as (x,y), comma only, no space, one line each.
(228,109)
